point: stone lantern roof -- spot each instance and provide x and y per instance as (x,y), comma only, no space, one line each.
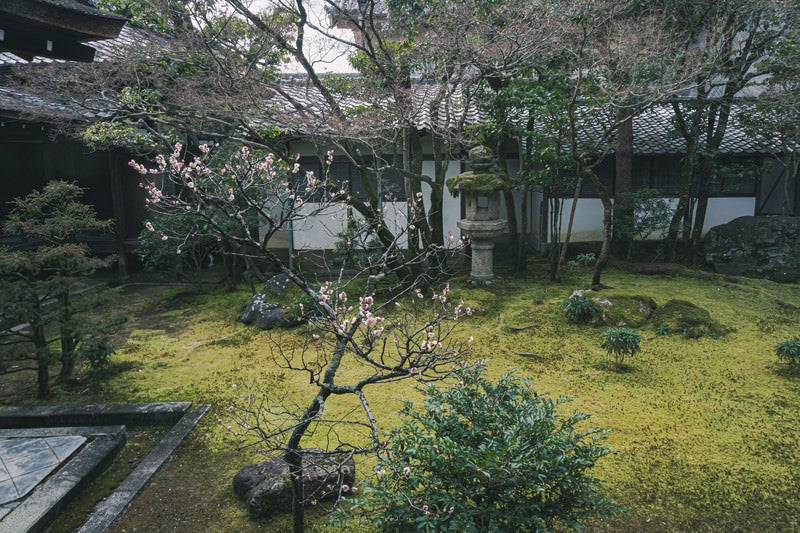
(485,177)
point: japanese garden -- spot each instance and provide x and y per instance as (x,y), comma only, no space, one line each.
(394,265)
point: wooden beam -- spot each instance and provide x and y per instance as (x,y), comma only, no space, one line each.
(88,24)
(29,44)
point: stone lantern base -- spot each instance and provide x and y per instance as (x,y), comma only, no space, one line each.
(481,234)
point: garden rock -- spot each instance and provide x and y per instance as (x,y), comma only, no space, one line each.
(756,246)
(266,489)
(685,318)
(620,309)
(626,310)
(277,285)
(267,314)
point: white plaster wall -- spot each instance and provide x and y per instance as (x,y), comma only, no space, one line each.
(588,222)
(320,229)
(394,214)
(722,210)
(451,206)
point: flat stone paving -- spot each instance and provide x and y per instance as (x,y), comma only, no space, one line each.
(48,454)
(26,462)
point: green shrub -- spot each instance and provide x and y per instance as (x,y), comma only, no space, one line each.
(582,260)
(357,247)
(484,456)
(685,318)
(160,253)
(97,349)
(789,351)
(640,215)
(619,342)
(580,309)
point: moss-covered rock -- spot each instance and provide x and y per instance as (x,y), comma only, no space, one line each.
(617,309)
(626,310)
(685,318)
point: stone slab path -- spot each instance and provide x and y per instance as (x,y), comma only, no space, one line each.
(26,462)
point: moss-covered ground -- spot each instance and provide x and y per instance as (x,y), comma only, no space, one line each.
(705,430)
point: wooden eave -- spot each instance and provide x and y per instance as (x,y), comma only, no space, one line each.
(54,29)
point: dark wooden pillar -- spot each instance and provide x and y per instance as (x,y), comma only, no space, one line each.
(118,202)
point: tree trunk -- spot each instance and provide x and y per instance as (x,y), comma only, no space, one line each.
(790,176)
(68,336)
(554,221)
(513,229)
(706,172)
(42,361)
(522,238)
(575,197)
(435,209)
(682,217)
(294,457)
(608,210)
(511,209)
(623,183)
(719,116)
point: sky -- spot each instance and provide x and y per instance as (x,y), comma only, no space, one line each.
(326,54)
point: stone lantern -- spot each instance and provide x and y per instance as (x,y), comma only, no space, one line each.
(481,188)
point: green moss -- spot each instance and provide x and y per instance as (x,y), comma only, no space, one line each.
(478,182)
(705,430)
(480,301)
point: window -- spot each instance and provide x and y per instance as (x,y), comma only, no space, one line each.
(349,176)
(662,174)
(736,176)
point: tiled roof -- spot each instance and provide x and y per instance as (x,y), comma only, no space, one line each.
(16,102)
(301,104)
(105,49)
(654,133)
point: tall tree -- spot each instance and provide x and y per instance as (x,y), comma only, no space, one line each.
(618,71)
(40,278)
(773,117)
(730,41)
(374,333)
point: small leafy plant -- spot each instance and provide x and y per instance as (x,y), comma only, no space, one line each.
(662,329)
(621,342)
(789,351)
(580,309)
(582,260)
